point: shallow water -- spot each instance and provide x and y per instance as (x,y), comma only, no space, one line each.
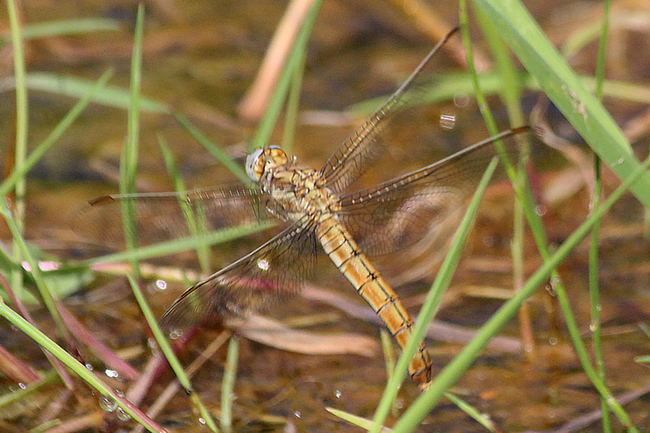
(201,63)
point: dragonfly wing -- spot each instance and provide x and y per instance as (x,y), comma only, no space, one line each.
(255,282)
(163,216)
(362,149)
(398,213)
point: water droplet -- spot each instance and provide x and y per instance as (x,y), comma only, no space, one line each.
(338,393)
(540,210)
(175,334)
(549,288)
(161,284)
(202,421)
(111,373)
(263,264)
(89,367)
(552,341)
(593,326)
(123,415)
(297,414)
(461,100)
(447,121)
(107,403)
(22,385)
(153,346)
(619,161)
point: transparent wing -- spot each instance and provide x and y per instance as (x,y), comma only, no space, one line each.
(255,282)
(163,216)
(362,149)
(398,213)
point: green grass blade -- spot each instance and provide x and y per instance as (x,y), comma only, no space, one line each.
(129,159)
(178,245)
(88,376)
(507,71)
(479,417)
(364,423)
(449,85)
(191,219)
(228,384)
(390,360)
(69,27)
(450,374)
(15,396)
(632,92)
(215,151)
(510,93)
(432,302)
(445,88)
(594,285)
(169,353)
(587,115)
(267,124)
(644,328)
(56,133)
(20,145)
(129,165)
(291,115)
(110,96)
(41,283)
(389,352)
(537,228)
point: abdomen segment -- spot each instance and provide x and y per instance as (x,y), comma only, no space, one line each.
(355,266)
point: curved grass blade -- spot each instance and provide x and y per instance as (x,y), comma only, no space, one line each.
(587,115)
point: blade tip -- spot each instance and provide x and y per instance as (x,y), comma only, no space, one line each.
(101,200)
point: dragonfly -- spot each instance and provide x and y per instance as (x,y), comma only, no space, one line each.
(317,213)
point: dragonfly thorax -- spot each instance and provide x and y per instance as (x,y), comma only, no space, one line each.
(301,193)
(296,192)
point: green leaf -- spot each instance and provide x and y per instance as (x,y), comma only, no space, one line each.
(587,115)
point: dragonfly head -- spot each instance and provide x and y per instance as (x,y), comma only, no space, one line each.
(261,160)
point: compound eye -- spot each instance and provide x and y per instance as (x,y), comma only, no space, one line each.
(277,155)
(255,165)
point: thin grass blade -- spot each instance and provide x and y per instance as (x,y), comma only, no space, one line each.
(523,35)
(70,27)
(169,353)
(432,301)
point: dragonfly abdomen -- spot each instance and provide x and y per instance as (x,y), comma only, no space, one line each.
(368,282)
